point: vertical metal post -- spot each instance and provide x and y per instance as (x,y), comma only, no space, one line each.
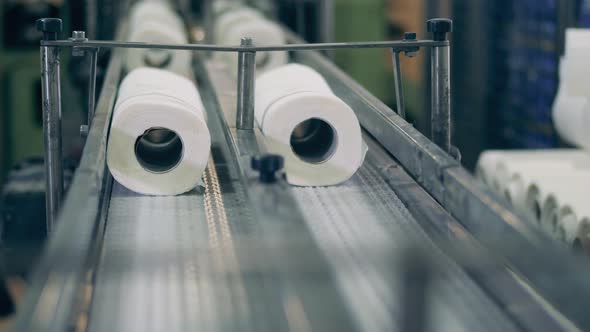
(399,87)
(328,24)
(51,84)
(441,85)
(246,85)
(93,58)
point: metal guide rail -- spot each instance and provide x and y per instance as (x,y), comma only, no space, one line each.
(70,268)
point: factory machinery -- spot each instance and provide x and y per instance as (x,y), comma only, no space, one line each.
(411,243)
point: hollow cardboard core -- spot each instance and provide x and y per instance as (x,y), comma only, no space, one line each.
(314,141)
(159,150)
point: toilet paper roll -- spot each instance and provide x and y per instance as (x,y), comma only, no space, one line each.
(240,22)
(571,115)
(486,168)
(159,142)
(567,225)
(157,23)
(302,120)
(577,41)
(550,191)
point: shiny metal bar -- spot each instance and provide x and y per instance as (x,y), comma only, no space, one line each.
(51,93)
(93,58)
(395,45)
(246,86)
(399,87)
(441,97)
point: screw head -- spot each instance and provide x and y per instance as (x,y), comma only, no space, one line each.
(78,35)
(268,165)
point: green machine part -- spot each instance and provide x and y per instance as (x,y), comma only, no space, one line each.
(21,123)
(367,20)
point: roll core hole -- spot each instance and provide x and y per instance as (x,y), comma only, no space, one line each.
(159,150)
(314,141)
(158,58)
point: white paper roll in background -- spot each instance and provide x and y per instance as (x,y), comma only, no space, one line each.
(159,143)
(571,109)
(235,23)
(318,134)
(156,22)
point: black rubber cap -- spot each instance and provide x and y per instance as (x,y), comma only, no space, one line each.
(439,28)
(50,27)
(268,166)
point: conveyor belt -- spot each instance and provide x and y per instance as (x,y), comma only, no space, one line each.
(162,256)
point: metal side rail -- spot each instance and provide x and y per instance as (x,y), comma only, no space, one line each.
(548,267)
(55,297)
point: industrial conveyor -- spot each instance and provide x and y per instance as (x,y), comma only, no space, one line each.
(411,243)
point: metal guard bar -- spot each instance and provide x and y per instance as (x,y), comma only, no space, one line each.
(395,45)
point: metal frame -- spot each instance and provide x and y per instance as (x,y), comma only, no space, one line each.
(245,101)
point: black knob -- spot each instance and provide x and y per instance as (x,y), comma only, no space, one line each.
(410,36)
(439,28)
(268,166)
(50,27)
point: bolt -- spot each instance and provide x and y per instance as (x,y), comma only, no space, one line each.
(268,166)
(409,37)
(247,41)
(84,130)
(78,37)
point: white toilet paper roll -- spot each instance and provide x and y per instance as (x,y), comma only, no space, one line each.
(577,41)
(571,115)
(240,22)
(159,142)
(567,226)
(302,120)
(155,22)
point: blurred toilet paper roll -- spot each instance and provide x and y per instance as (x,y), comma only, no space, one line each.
(159,143)
(567,224)
(571,116)
(240,22)
(318,134)
(487,166)
(155,22)
(577,41)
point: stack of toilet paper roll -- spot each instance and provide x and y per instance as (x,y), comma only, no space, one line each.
(156,22)
(159,143)
(571,110)
(301,119)
(549,186)
(235,22)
